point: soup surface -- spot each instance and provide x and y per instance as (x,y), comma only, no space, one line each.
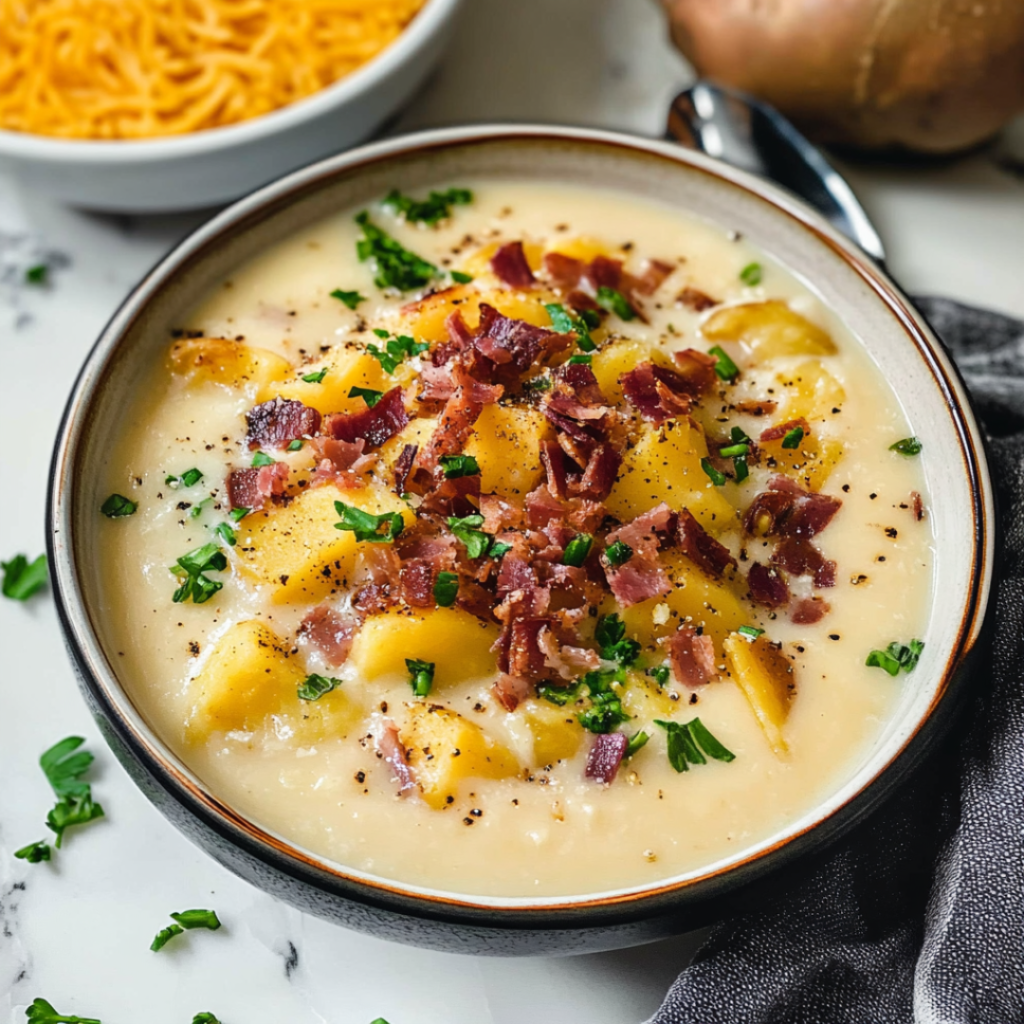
(525,541)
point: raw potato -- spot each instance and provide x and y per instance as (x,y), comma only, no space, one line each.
(444,749)
(249,675)
(769,329)
(928,75)
(346,368)
(766,678)
(458,644)
(506,444)
(228,363)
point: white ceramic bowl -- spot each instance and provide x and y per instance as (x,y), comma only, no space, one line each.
(187,172)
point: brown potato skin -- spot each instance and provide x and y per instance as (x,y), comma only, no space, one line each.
(933,76)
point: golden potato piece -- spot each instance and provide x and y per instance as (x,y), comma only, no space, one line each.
(249,675)
(664,465)
(478,264)
(583,247)
(506,444)
(768,329)
(645,700)
(335,715)
(810,392)
(425,320)
(346,368)
(296,550)
(810,463)
(458,644)
(766,678)
(231,364)
(556,733)
(611,362)
(444,749)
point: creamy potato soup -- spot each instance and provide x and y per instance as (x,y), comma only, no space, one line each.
(516,540)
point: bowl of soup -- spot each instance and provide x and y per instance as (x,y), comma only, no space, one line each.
(519,540)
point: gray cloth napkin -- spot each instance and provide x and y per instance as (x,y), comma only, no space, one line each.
(918,915)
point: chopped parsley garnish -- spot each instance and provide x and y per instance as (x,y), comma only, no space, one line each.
(610,636)
(351,299)
(117,506)
(446,589)
(689,742)
(313,687)
(37,274)
(262,459)
(368,395)
(618,553)
(659,673)
(187,479)
(908,446)
(459,277)
(191,569)
(717,478)
(538,384)
(577,549)
(615,302)
(752,274)
(605,713)
(316,376)
(185,920)
(64,766)
(750,632)
(581,360)
(238,514)
(23,578)
(394,266)
(897,656)
(199,508)
(476,541)
(732,450)
(396,349)
(636,742)
(724,366)
(205,1018)
(456,466)
(295,445)
(366,526)
(421,676)
(740,468)
(559,695)
(498,548)
(42,1012)
(226,533)
(793,438)
(34,853)
(738,452)
(566,322)
(435,208)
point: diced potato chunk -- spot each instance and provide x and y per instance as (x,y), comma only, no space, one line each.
(296,550)
(664,465)
(768,329)
(425,320)
(695,597)
(346,368)
(417,432)
(335,715)
(478,264)
(249,675)
(811,462)
(458,644)
(810,392)
(766,678)
(506,444)
(555,732)
(611,362)
(228,363)
(444,749)
(645,700)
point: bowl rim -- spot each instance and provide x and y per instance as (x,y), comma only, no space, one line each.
(426,23)
(285,856)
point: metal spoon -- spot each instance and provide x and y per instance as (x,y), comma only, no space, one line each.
(748,134)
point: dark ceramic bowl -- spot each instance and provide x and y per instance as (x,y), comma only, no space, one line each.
(877,313)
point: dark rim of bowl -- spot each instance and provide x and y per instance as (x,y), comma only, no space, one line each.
(551,913)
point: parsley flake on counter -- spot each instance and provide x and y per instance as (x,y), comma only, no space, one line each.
(185,920)
(64,766)
(726,369)
(226,533)
(42,1012)
(752,274)
(421,676)
(897,656)
(476,541)
(577,549)
(432,210)
(618,553)
(262,459)
(350,299)
(23,578)
(909,446)
(187,479)
(314,686)
(368,395)
(446,589)
(717,478)
(191,570)
(689,742)
(117,506)
(367,527)
(34,853)
(615,302)
(316,377)
(205,1018)
(37,274)
(793,438)
(610,635)
(459,277)
(456,466)
(295,445)
(394,266)
(750,632)
(580,324)
(636,742)
(396,349)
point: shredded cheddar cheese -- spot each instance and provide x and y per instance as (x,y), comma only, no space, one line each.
(130,69)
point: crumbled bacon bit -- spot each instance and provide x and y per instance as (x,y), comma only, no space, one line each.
(509,265)
(767,586)
(567,660)
(602,272)
(374,426)
(328,633)
(786,510)
(657,392)
(692,656)
(403,467)
(917,505)
(562,271)
(254,486)
(698,368)
(800,557)
(808,610)
(389,744)
(751,408)
(605,757)
(695,300)
(782,429)
(276,423)
(416,582)
(510,691)
(706,552)
(655,272)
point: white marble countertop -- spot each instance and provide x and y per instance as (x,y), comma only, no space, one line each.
(77,931)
